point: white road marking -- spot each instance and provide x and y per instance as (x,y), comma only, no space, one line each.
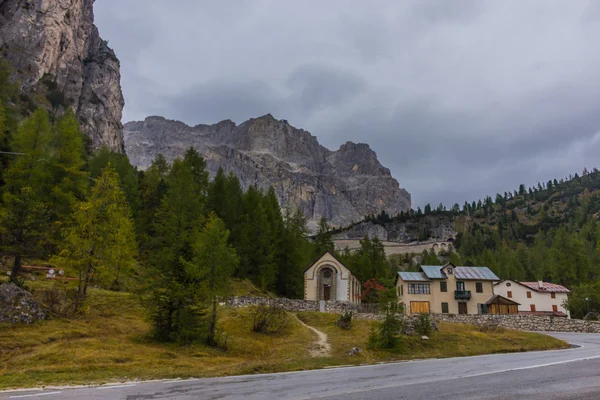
(33,395)
(114,387)
(448,379)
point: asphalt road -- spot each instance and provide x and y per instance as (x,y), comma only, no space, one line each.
(562,374)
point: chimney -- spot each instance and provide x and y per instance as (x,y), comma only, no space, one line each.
(540,285)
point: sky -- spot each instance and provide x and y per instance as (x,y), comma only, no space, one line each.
(459,99)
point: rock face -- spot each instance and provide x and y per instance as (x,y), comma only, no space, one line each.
(435,228)
(18,306)
(55,49)
(343,186)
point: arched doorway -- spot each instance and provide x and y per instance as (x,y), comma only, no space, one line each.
(327,283)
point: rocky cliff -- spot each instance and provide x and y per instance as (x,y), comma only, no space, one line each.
(56,52)
(343,185)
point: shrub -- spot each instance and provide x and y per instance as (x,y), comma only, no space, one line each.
(58,300)
(423,325)
(345,321)
(385,335)
(269,318)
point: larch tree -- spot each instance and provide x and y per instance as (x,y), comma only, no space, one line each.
(101,241)
(212,267)
(24,215)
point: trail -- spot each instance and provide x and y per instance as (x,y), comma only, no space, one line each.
(320,348)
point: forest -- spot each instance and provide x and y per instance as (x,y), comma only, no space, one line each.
(178,238)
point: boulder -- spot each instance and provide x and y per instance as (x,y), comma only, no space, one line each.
(18,306)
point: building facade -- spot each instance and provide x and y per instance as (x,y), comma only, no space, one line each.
(446,289)
(540,298)
(328,279)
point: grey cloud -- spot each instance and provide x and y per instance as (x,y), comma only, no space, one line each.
(459,99)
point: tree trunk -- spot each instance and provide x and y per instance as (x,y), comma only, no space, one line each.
(87,279)
(14,275)
(213,323)
(78,292)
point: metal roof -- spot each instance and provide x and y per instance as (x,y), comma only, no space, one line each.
(546,287)
(413,276)
(475,273)
(433,271)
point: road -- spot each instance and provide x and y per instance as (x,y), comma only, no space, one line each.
(571,374)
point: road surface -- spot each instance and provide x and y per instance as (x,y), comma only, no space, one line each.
(572,374)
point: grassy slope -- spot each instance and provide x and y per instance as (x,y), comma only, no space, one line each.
(453,340)
(111,344)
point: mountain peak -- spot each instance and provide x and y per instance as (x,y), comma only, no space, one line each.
(342,185)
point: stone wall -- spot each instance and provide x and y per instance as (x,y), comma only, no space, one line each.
(518,322)
(524,322)
(291,304)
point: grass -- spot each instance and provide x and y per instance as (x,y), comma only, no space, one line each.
(453,340)
(111,344)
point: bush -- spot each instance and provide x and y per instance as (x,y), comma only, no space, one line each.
(385,335)
(423,325)
(345,321)
(269,318)
(58,300)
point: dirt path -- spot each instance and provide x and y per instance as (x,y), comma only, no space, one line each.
(320,348)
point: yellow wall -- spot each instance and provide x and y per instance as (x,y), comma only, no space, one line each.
(437,297)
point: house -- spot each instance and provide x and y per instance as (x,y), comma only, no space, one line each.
(539,298)
(446,289)
(328,279)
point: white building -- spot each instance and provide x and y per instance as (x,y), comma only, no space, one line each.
(328,279)
(539,298)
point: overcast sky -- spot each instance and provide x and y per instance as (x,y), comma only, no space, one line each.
(460,99)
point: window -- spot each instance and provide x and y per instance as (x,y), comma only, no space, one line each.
(555,308)
(445,308)
(508,284)
(327,273)
(443,286)
(482,309)
(418,288)
(509,294)
(449,271)
(528,295)
(553,295)
(400,290)
(532,307)
(460,286)
(479,287)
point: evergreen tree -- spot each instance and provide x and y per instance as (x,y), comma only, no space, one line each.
(213,265)
(128,176)
(174,298)
(102,240)
(324,238)
(25,216)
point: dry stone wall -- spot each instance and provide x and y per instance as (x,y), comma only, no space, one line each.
(291,305)
(524,322)
(517,322)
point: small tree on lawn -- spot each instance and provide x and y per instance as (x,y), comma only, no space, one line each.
(102,238)
(372,290)
(212,266)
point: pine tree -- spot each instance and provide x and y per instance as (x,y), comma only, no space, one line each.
(101,241)
(324,238)
(174,298)
(25,214)
(213,265)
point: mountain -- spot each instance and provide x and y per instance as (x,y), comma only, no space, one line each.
(60,59)
(343,186)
